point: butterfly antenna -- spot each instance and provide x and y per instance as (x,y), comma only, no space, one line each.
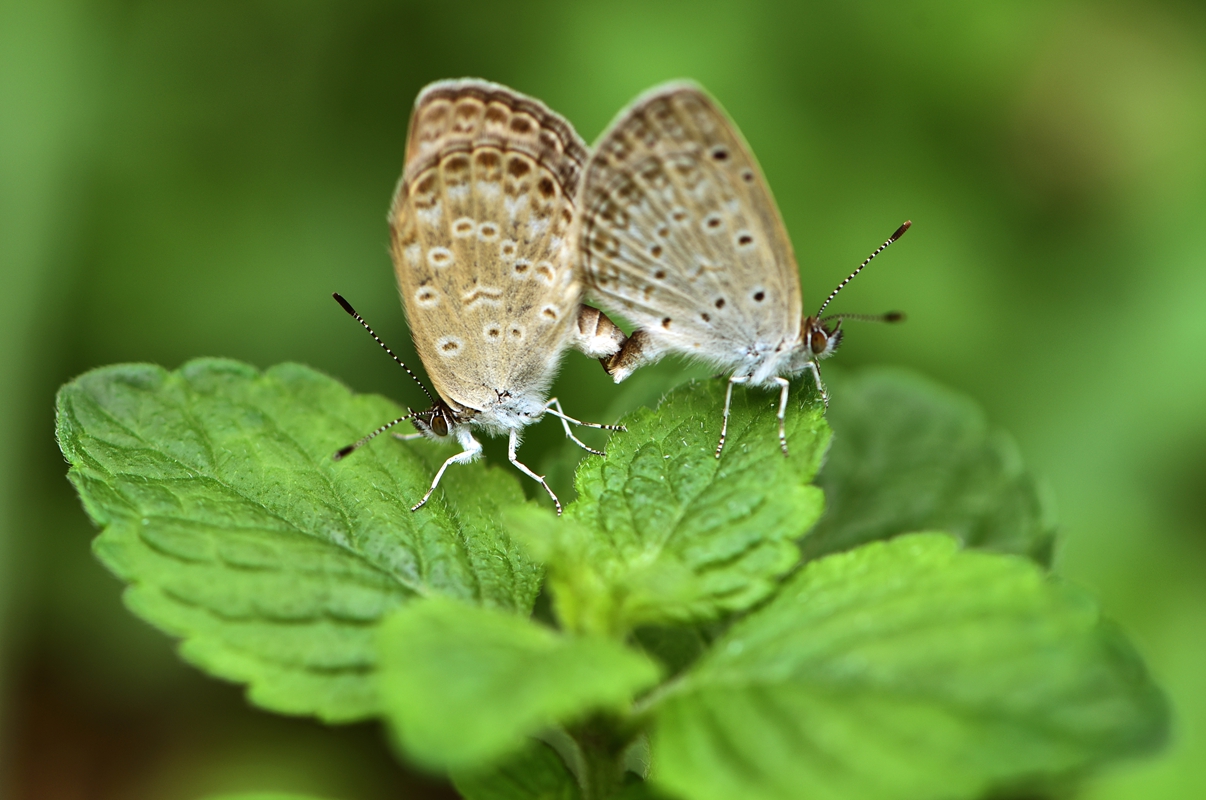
(899,232)
(348,308)
(891,316)
(344,452)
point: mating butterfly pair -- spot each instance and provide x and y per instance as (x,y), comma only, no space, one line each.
(503,219)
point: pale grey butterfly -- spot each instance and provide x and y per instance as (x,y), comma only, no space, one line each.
(480,228)
(678,233)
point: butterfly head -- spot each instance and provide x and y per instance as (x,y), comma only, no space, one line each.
(821,339)
(437,422)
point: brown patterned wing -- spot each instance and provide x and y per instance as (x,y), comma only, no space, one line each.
(480,238)
(680,234)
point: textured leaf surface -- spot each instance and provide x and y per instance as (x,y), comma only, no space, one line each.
(222,509)
(535,773)
(664,531)
(463,686)
(909,455)
(905,669)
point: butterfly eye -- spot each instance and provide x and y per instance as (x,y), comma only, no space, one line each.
(439,425)
(818,342)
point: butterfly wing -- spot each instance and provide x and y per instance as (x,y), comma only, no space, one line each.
(680,234)
(480,239)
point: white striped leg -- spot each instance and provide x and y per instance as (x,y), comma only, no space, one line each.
(728,399)
(783,386)
(473,449)
(408,437)
(512,445)
(553,406)
(816,376)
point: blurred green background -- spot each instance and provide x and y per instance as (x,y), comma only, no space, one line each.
(196,178)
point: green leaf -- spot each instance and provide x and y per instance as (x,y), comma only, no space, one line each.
(662,531)
(642,790)
(535,773)
(905,669)
(909,455)
(463,686)
(263,796)
(539,773)
(676,647)
(221,507)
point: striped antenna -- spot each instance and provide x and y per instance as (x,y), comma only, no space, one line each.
(343,452)
(348,308)
(899,232)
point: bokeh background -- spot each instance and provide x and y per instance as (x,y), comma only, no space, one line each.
(196,178)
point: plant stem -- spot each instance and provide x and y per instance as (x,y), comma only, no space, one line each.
(602,743)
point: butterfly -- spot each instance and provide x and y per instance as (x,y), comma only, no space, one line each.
(678,232)
(480,238)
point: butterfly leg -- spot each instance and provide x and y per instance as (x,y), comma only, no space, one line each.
(728,399)
(408,437)
(512,445)
(783,386)
(553,406)
(816,375)
(473,449)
